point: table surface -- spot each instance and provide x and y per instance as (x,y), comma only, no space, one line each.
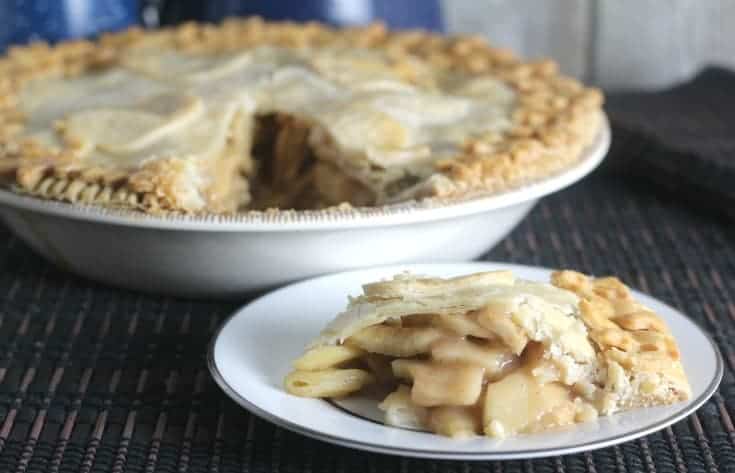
(97,379)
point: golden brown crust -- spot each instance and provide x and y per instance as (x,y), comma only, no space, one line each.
(77,190)
(554,120)
(631,336)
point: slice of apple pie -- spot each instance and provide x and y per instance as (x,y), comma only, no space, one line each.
(492,354)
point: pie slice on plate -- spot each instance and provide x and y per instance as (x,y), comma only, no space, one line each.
(491,354)
(256,115)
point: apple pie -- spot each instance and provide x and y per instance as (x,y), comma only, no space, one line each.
(255,115)
(492,354)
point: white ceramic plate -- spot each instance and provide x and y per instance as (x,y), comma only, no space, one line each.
(225,256)
(253,350)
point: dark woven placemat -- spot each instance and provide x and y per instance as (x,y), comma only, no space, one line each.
(96,379)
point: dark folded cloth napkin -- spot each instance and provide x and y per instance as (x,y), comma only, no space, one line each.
(682,139)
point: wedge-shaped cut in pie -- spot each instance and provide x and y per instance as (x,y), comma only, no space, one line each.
(255,115)
(491,354)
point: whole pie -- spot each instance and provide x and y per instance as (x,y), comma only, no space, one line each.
(256,115)
(492,354)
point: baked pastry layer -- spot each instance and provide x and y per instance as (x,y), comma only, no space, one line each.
(170,120)
(489,353)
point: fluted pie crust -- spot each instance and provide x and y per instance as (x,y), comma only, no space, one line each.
(253,115)
(491,354)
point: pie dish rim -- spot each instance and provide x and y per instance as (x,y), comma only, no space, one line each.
(432,208)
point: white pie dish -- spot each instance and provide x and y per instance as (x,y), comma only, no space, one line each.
(245,365)
(218,256)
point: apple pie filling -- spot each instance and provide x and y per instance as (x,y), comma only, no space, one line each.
(495,355)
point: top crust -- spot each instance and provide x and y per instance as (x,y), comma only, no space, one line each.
(406,285)
(407,294)
(554,118)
